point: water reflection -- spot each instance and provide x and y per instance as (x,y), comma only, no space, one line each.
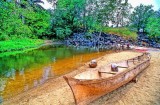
(24,71)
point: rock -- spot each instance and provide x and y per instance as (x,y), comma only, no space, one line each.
(144,40)
(108,40)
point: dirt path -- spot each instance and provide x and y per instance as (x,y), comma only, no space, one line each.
(56,91)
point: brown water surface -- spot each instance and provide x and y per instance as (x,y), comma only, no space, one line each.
(25,71)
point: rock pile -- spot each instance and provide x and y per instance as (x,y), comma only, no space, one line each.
(100,40)
(144,40)
(108,41)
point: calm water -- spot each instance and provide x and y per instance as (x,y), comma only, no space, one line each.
(24,71)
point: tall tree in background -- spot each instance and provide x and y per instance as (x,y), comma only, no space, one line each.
(153,25)
(67,17)
(120,13)
(140,15)
(11,23)
(20,19)
(35,17)
(115,12)
(72,15)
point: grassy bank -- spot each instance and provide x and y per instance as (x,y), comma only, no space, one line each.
(11,47)
(18,45)
(124,32)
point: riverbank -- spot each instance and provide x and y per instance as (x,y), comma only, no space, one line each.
(95,40)
(16,46)
(12,47)
(57,92)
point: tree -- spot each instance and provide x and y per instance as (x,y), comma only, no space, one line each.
(153,25)
(67,17)
(21,19)
(115,12)
(38,21)
(158,13)
(140,15)
(11,24)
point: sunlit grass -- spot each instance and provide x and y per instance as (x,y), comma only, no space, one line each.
(18,45)
(124,32)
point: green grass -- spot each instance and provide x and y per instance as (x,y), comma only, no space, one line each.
(18,45)
(123,32)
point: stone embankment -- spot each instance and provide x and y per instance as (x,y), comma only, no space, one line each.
(108,41)
(105,41)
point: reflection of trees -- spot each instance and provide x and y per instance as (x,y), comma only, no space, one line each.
(2,84)
(2,87)
(36,58)
(45,75)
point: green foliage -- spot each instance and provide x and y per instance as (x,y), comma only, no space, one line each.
(24,19)
(22,22)
(38,21)
(88,15)
(11,24)
(124,32)
(153,27)
(67,17)
(140,15)
(118,12)
(18,44)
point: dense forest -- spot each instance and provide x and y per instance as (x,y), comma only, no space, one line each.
(27,19)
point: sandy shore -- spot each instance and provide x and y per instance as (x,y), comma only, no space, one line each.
(56,91)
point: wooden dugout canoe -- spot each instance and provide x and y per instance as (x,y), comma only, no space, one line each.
(94,83)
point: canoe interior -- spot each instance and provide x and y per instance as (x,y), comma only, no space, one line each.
(105,71)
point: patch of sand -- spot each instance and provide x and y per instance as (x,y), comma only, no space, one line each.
(56,91)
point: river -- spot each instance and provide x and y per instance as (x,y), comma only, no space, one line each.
(21,72)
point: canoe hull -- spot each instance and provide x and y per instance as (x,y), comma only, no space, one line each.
(85,91)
